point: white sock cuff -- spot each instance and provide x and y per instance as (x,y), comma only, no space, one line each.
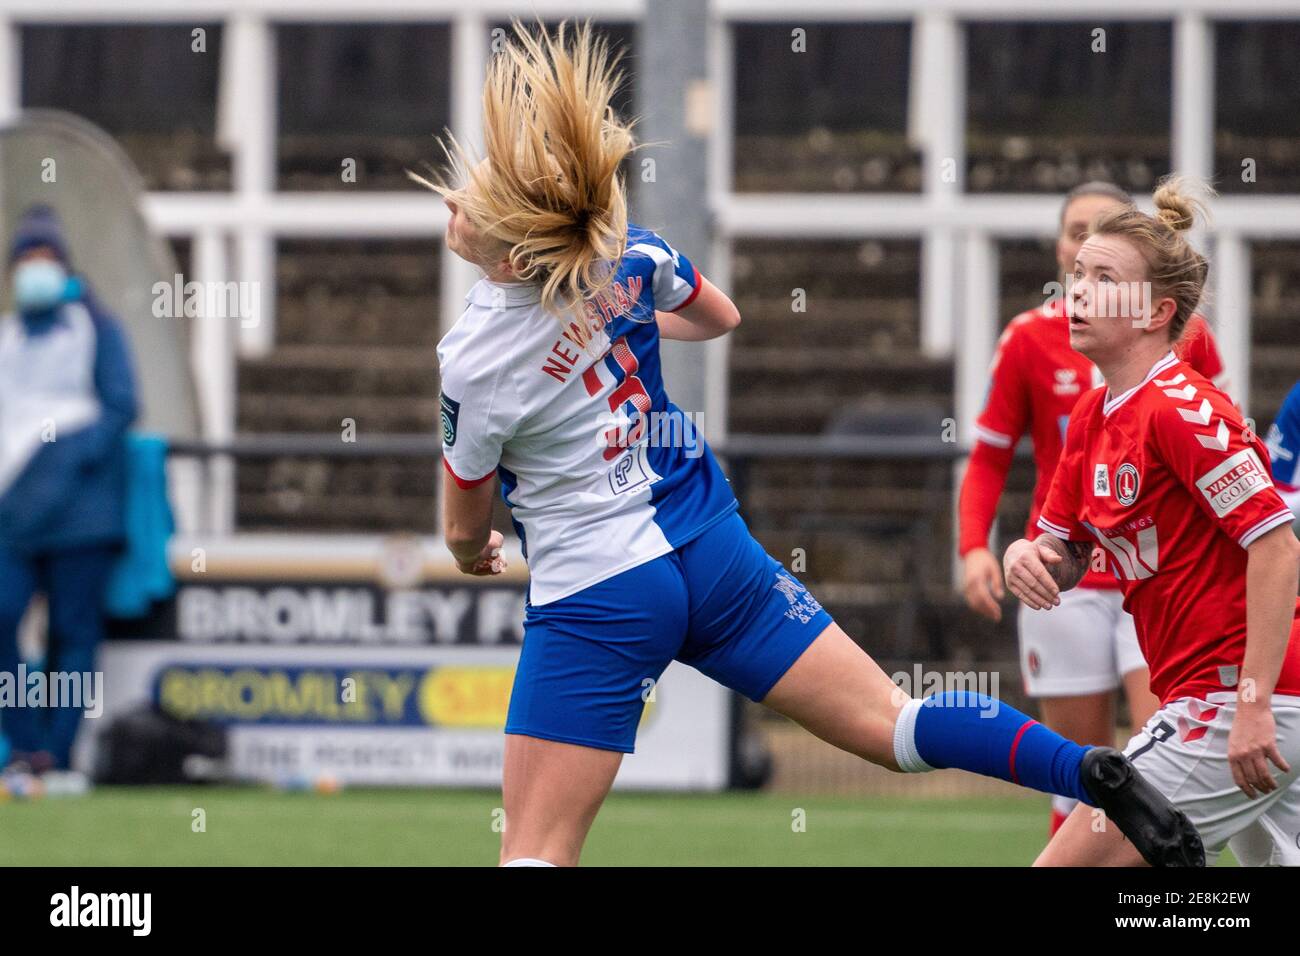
(527,861)
(1063,805)
(905,754)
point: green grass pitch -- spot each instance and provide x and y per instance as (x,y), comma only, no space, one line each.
(254,826)
(115,826)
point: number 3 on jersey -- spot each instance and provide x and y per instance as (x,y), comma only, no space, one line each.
(630,389)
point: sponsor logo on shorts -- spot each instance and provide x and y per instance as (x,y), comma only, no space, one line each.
(803,606)
(1127,483)
(1196,724)
(1237,479)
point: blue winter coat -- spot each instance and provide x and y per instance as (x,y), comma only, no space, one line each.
(67,397)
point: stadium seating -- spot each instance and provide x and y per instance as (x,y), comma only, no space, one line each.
(357,328)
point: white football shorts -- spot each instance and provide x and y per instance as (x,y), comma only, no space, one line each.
(1183,751)
(1084,646)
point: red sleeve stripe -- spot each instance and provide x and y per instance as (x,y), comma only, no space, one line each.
(694,292)
(463,483)
(1265,526)
(990,437)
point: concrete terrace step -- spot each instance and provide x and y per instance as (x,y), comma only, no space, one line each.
(366,371)
(279,412)
(295,511)
(836,269)
(810,358)
(304,492)
(826,162)
(880,328)
(777,389)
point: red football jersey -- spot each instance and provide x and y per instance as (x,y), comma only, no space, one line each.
(1169,481)
(1036,381)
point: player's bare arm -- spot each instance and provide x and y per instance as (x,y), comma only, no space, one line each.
(1272,574)
(710,315)
(467,527)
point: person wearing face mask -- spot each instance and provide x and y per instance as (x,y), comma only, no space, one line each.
(67,397)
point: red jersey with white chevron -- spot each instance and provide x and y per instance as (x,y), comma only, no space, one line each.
(1036,379)
(1169,480)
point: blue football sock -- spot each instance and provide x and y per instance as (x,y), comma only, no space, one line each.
(974,732)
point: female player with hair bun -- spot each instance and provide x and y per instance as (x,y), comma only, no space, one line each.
(636,554)
(1074,660)
(1161,471)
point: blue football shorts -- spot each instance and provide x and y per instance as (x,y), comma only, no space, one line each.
(719,603)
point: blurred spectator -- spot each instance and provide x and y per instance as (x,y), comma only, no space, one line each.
(67,397)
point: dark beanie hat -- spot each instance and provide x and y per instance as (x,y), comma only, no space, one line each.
(39,226)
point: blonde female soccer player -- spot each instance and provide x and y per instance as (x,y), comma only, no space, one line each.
(1161,471)
(637,557)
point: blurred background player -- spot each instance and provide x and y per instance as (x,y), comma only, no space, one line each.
(1284,450)
(637,555)
(67,397)
(1160,469)
(1075,660)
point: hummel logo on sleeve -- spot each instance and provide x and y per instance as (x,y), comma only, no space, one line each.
(1199,417)
(1186,393)
(1203,414)
(1219,440)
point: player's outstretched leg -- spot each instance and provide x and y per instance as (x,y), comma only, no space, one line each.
(840,694)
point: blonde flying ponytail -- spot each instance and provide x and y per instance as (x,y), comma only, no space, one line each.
(549,193)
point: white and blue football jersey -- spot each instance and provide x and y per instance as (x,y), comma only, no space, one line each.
(1283,443)
(600,470)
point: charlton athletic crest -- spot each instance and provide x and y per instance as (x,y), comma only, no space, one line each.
(1127,482)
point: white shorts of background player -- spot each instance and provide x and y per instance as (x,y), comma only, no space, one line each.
(1084,646)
